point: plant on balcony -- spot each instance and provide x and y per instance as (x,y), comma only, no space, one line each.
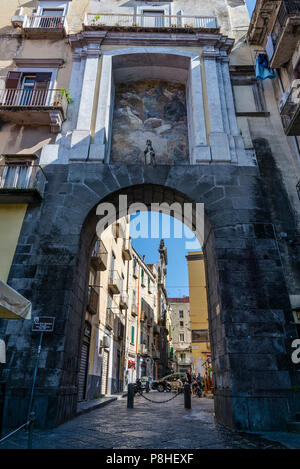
(66,93)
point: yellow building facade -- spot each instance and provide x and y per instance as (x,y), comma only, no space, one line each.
(198,313)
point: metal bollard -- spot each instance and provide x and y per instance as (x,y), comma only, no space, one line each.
(187,396)
(130,396)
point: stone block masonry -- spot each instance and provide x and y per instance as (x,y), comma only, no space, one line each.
(248,301)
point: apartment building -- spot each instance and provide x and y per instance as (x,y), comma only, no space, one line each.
(199,325)
(181,333)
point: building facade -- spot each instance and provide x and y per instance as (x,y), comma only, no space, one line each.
(199,325)
(84,86)
(181,333)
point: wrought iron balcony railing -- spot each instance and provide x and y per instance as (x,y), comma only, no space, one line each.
(290,110)
(34,107)
(123,300)
(284,33)
(47,22)
(109,319)
(99,256)
(34,98)
(41,26)
(114,282)
(111,20)
(93,299)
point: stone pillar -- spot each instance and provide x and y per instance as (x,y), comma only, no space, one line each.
(80,139)
(218,138)
(199,150)
(100,148)
(238,154)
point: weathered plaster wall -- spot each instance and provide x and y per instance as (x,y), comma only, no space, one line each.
(11,219)
(153,110)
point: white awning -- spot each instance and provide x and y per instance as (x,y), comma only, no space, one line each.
(12,304)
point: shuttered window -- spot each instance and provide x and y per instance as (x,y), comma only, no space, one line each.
(132,334)
(12,80)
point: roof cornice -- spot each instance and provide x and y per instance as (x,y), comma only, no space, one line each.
(217,40)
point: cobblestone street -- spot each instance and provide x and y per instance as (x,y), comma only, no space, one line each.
(148,425)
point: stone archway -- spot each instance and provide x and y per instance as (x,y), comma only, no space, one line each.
(248,305)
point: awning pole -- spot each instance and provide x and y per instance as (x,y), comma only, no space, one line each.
(34,376)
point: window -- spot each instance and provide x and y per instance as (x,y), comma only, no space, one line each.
(143,277)
(149,284)
(132,335)
(247,92)
(181,337)
(153,18)
(134,267)
(182,357)
(181,314)
(200,335)
(181,323)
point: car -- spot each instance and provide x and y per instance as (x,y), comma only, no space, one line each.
(174,381)
(144,381)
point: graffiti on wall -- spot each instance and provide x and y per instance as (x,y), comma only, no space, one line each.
(150,110)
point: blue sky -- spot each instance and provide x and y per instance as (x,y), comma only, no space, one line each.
(251,5)
(177,248)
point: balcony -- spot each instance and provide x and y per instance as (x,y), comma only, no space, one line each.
(126,251)
(99,256)
(21,182)
(143,316)
(134,310)
(142,22)
(45,27)
(93,299)
(184,361)
(156,355)
(109,320)
(114,282)
(35,107)
(289,108)
(123,300)
(143,350)
(285,34)
(120,329)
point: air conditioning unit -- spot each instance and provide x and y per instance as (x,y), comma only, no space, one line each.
(18,20)
(105,342)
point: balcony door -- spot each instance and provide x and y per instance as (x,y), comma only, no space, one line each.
(51,18)
(153,18)
(27,88)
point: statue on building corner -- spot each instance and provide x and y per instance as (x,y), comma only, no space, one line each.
(149,153)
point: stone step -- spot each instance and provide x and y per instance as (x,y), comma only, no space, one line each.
(298,417)
(293,427)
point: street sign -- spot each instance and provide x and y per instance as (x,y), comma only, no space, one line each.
(43,324)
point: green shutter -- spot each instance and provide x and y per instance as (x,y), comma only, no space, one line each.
(132,334)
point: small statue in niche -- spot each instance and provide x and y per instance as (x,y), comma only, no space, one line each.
(149,153)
